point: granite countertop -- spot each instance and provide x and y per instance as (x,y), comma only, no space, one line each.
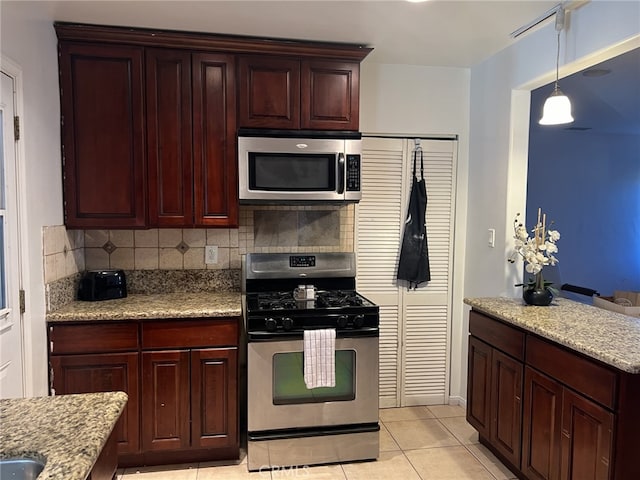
(67,432)
(165,305)
(607,336)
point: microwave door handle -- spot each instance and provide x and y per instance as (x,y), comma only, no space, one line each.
(341,173)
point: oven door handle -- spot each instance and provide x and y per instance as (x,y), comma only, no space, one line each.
(275,336)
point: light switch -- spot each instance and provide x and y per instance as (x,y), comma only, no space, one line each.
(492,237)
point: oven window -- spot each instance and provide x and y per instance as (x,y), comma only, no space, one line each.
(289,172)
(288,380)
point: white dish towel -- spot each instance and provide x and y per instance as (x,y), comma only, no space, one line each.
(320,358)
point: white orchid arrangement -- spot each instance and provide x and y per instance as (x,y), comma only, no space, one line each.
(537,251)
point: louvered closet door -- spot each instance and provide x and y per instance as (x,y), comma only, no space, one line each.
(414,325)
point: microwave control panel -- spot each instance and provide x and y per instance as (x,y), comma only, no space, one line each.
(353,173)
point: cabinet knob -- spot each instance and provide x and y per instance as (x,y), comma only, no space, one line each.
(162,404)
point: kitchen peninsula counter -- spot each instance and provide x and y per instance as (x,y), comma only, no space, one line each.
(66,432)
(154,306)
(553,391)
(609,337)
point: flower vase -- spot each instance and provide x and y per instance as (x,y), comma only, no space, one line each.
(537,294)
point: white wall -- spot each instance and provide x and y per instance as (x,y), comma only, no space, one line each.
(28,38)
(421,100)
(499,129)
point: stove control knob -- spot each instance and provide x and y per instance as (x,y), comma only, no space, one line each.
(358,321)
(270,324)
(342,321)
(287,323)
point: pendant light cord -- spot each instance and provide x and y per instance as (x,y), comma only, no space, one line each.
(557,60)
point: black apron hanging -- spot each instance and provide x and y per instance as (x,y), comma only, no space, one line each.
(414,254)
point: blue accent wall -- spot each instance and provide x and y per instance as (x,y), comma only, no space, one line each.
(588,183)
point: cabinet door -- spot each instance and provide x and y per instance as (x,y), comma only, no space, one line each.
(214,142)
(587,438)
(170,166)
(214,397)
(103,139)
(269,92)
(165,400)
(541,428)
(479,386)
(506,405)
(104,372)
(330,95)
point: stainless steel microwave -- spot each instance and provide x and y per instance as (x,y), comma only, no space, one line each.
(310,166)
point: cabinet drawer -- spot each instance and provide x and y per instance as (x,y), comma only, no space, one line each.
(93,338)
(497,334)
(190,333)
(581,374)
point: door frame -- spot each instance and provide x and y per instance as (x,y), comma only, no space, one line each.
(14,70)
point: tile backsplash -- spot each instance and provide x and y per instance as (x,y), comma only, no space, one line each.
(262,229)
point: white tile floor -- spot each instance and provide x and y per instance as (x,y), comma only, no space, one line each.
(416,443)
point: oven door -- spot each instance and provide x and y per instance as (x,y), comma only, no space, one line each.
(278,397)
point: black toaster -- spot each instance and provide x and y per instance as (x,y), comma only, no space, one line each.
(102,285)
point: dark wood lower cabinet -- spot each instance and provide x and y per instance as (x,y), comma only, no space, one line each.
(165,400)
(214,405)
(506,406)
(479,386)
(541,438)
(182,382)
(555,415)
(587,439)
(104,372)
(107,462)
(494,397)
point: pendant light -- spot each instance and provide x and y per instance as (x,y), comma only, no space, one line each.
(557,108)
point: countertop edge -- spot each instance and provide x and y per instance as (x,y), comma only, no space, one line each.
(584,332)
(151,306)
(41,436)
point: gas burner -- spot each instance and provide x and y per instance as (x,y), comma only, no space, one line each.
(275,301)
(339,298)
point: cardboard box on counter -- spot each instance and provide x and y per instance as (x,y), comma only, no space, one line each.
(627,303)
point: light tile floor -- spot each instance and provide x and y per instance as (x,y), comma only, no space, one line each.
(416,443)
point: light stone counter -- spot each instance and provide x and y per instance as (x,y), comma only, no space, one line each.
(67,432)
(166,305)
(607,336)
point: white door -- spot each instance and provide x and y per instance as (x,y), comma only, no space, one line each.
(11,348)
(415,325)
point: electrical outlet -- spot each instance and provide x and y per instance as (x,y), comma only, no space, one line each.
(211,254)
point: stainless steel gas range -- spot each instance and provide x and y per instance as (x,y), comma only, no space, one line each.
(288,423)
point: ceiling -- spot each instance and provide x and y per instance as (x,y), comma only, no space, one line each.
(450,33)
(447,33)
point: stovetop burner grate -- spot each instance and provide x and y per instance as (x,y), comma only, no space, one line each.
(323,299)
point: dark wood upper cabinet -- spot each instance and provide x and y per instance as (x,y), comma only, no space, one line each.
(191,139)
(330,95)
(269,90)
(214,141)
(295,93)
(149,117)
(103,135)
(169,144)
